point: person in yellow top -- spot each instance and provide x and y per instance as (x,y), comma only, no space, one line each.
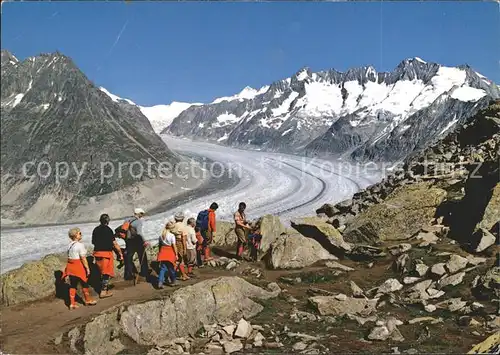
(241,228)
(179,230)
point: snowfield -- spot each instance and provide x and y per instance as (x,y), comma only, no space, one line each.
(288,186)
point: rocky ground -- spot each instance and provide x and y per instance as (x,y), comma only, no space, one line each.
(410,265)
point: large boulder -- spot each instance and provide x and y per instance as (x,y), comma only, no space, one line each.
(32,281)
(270,228)
(225,235)
(181,314)
(491,345)
(491,214)
(399,217)
(325,234)
(296,251)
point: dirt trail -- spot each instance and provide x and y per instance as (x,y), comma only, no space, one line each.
(30,328)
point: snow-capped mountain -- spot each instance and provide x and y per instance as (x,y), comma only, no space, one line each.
(160,116)
(370,115)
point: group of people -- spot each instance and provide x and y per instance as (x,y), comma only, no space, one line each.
(182,247)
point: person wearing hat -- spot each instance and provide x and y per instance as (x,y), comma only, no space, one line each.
(104,242)
(167,255)
(136,243)
(180,233)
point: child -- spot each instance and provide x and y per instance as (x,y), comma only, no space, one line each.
(254,239)
(77,269)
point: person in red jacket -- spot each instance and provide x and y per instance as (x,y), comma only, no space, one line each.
(210,233)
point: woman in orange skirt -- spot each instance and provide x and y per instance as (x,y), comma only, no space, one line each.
(167,255)
(104,242)
(77,268)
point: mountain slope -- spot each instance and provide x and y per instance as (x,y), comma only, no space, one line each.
(52,114)
(360,112)
(160,116)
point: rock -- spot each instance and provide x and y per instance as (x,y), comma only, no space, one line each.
(490,345)
(427,239)
(273,345)
(34,280)
(365,252)
(257,341)
(356,290)
(58,339)
(456,263)
(430,308)
(229,329)
(325,234)
(362,320)
(400,249)
(232,265)
(476,333)
(74,337)
(452,280)
(421,269)
(483,239)
(390,285)
(411,280)
(492,210)
(399,217)
(299,346)
(341,297)
(225,235)
(473,260)
(488,285)
(328,305)
(296,251)
(344,206)
(453,304)
(303,316)
(379,333)
(425,319)
(339,266)
(328,210)
(180,314)
(433,293)
(438,269)
(401,263)
(233,346)
(270,228)
(214,349)
(243,330)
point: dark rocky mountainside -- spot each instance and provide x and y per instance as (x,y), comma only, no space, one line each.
(360,113)
(51,112)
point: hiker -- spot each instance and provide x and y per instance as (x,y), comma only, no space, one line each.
(199,247)
(167,255)
(206,223)
(179,230)
(103,238)
(136,243)
(77,269)
(254,240)
(191,242)
(241,229)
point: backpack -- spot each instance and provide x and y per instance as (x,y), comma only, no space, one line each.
(125,231)
(202,220)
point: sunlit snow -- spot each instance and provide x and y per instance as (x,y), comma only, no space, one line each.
(466,93)
(161,116)
(114,97)
(449,125)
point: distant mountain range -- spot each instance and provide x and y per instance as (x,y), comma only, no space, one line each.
(51,112)
(361,114)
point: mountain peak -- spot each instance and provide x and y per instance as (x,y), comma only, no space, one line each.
(7,57)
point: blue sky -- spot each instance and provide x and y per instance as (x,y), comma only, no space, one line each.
(158,52)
